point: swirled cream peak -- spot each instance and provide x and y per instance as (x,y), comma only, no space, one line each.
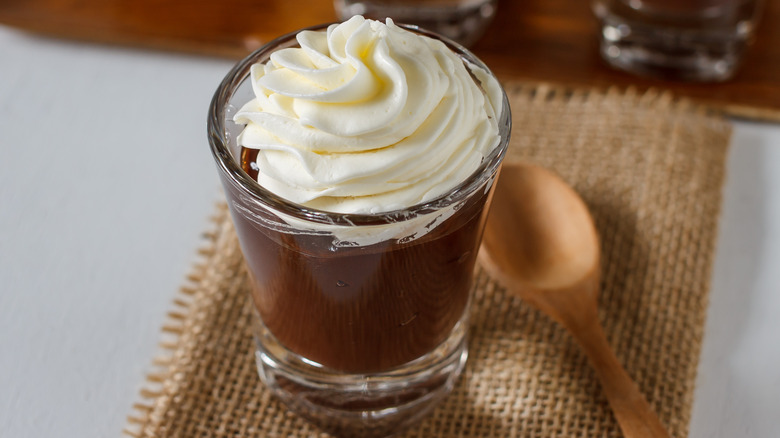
(368,117)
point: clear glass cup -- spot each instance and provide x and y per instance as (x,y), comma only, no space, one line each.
(461,20)
(361,319)
(697,40)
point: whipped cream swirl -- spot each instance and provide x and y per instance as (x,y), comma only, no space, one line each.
(368,117)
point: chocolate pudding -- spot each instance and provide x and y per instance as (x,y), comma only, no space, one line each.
(357,160)
(360,309)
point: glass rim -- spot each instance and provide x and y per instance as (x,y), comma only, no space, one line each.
(229,166)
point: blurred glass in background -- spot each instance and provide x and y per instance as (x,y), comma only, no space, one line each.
(461,20)
(697,40)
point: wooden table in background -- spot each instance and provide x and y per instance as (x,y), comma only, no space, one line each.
(537,40)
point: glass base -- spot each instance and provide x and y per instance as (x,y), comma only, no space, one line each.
(361,405)
(660,47)
(463,21)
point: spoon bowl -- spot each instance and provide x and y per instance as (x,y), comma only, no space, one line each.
(541,244)
(559,244)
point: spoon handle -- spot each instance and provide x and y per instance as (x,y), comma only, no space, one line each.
(634,414)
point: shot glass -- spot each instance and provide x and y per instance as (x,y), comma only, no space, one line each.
(361,320)
(696,40)
(461,20)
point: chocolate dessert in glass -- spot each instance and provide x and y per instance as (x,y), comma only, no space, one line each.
(358,161)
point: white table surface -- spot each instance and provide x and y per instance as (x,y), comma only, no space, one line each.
(106,183)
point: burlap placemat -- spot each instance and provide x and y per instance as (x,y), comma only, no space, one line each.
(649,167)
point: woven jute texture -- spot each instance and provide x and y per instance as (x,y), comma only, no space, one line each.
(650,168)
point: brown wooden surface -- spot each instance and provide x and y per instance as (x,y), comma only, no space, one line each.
(537,40)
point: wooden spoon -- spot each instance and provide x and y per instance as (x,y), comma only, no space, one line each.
(541,244)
